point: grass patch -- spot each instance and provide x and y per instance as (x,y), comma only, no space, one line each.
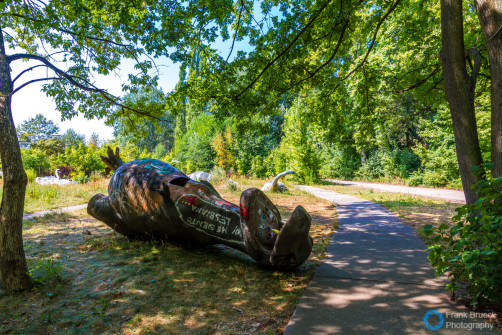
(94,281)
(40,197)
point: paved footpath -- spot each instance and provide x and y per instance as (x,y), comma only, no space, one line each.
(438,193)
(50,211)
(375,279)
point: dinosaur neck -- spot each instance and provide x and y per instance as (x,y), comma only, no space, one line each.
(279,176)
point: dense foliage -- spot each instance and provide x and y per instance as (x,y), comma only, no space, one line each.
(471,251)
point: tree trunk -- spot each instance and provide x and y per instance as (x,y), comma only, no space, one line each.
(459,87)
(490,17)
(13,268)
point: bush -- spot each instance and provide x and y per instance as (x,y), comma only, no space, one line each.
(217,174)
(81,178)
(339,163)
(415,179)
(31,174)
(37,160)
(95,176)
(45,271)
(258,168)
(64,171)
(372,169)
(471,250)
(231,185)
(435,178)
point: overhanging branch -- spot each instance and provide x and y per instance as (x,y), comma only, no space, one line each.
(34,81)
(420,82)
(272,62)
(372,43)
(236,30)
(87,86)
(28,69)
(99,39)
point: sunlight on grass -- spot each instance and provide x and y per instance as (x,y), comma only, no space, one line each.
(40,197)
(94,281)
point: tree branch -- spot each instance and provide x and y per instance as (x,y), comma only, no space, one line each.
(72,80)
(389,11)
(254,19)
(28,69)
(34,81)
(236,31)
(415,70)
(100,39)
(272,62)
(338,44)
(420,82)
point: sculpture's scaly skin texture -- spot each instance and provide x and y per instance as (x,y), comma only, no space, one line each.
(152,199)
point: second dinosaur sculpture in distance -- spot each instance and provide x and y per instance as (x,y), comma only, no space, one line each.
(276,185)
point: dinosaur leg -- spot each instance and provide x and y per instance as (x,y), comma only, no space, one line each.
(100,208)
(293,245)
(262,220)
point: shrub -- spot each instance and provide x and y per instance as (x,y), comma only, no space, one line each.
(64,171)
(415,179)
(435,178)
(37,160)
(81,177)
(371,169)
(95,176)
(471,250)
(31,174)
(339,163)
(231,185)
(217,174)
(258,168)
(45,271)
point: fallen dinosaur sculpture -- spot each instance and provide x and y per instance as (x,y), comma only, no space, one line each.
(152,199)
(276,185)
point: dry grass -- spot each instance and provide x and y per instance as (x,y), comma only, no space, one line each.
(97,282)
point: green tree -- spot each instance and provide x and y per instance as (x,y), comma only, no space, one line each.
(94,140)
(224,147)
(72,139)
(36,129)
(37,160)
(194,149)
(302,141)
(148,134)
